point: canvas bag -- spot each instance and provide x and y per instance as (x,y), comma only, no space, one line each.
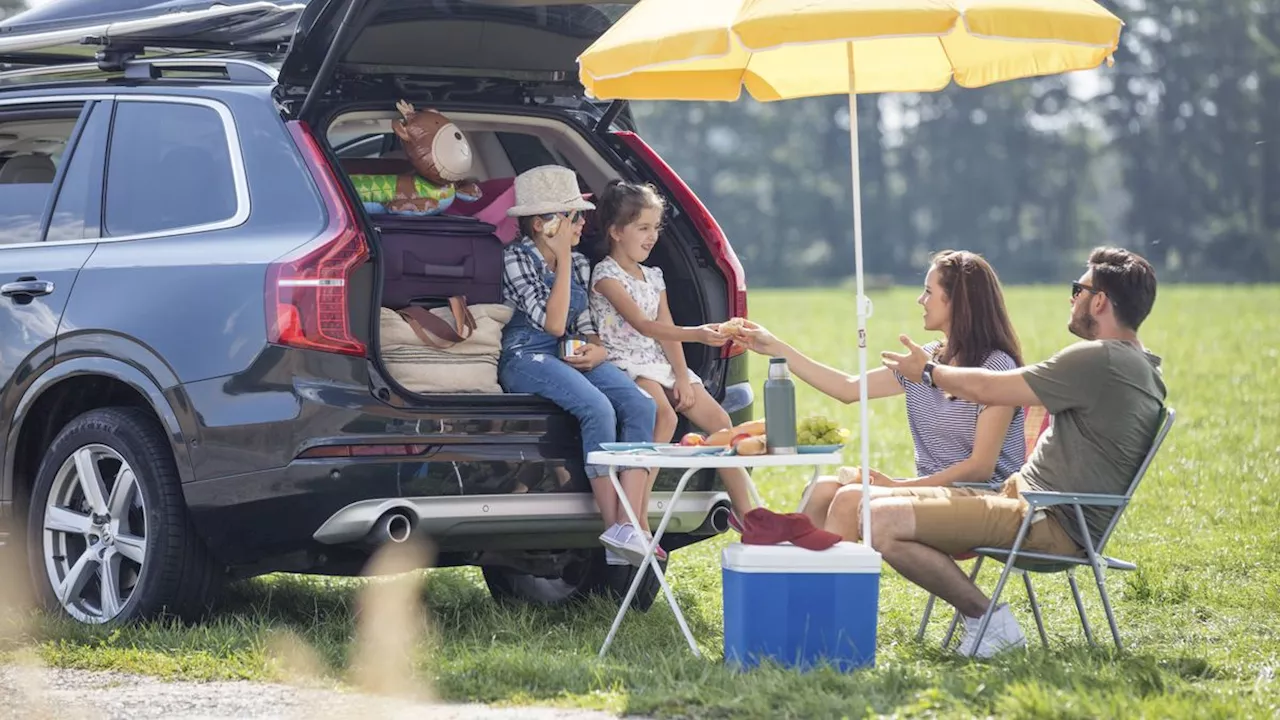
(450,349)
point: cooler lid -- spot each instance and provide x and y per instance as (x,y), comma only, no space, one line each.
(844,557)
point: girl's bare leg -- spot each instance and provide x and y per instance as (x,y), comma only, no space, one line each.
(663,430)
(707,414)
(606,499)
(636,484)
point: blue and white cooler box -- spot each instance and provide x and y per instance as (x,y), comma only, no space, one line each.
(801,607)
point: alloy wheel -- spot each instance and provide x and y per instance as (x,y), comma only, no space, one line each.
(95,534)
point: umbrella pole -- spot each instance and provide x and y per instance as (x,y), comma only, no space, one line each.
(864,306)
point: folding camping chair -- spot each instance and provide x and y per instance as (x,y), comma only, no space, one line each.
(1044,563)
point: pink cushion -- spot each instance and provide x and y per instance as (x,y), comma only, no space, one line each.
(498,196)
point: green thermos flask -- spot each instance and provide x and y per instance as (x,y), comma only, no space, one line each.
(780,409)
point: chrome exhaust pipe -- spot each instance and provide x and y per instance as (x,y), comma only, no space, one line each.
(719,519)
(394,527)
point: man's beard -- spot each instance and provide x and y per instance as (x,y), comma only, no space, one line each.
(1083,325)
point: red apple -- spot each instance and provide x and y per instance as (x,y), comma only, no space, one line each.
(693,439)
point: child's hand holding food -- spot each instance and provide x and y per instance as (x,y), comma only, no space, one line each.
(753,336)
(710,335)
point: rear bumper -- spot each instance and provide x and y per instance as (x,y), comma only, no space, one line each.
(453,520)
(293,517)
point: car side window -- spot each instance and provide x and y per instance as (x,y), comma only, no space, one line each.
(77,213)
(32,141)
(169,169)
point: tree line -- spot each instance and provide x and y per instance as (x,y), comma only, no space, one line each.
(1173,152)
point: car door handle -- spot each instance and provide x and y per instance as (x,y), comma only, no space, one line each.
(28,287)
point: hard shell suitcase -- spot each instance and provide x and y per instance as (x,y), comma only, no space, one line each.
(430,259)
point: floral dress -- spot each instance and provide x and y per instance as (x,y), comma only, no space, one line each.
(637,355)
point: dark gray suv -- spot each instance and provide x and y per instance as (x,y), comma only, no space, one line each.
(192,390)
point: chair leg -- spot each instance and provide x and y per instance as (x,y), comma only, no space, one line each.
(955,618)
(1035,608)
(1084,619)
(1106,606)
(924,621)
(1096,563)
(1009,563)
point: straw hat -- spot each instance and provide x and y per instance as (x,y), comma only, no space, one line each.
(547,189)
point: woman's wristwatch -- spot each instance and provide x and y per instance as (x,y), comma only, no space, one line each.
(926,375)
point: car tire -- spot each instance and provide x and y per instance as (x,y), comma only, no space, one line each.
(131,534)
(587,575)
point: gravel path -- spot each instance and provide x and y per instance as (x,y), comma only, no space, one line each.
(46,694)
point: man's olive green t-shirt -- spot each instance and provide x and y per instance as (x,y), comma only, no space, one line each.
(1105,397)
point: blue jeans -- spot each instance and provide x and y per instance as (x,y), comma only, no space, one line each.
(609,406)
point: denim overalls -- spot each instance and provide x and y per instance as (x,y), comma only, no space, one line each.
(608,404)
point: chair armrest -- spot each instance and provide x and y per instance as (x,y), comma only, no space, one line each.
(1045,499)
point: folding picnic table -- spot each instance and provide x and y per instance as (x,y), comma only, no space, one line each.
(691,464)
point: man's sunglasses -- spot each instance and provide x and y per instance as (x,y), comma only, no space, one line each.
(1077,288)
(572,216)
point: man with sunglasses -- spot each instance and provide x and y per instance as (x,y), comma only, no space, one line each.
(1105,394)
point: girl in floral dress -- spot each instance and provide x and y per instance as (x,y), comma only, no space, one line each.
(629,307)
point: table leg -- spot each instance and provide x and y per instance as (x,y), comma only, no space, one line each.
(650,561)
(808,489)
(755,494)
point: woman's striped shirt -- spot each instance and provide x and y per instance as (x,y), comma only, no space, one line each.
(943,430)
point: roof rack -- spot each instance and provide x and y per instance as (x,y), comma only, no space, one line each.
(233,69)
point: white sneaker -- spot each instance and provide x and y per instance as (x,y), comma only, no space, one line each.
(627,542)
(1003,633)
(609,538)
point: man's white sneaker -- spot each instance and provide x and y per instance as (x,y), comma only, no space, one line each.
(1003,633)
(613,558)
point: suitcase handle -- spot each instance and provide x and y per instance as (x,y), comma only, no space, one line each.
(465,270)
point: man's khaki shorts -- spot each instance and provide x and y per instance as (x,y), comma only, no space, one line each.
(956,520)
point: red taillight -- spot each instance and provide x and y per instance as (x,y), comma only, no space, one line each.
(307,290)
(707,227)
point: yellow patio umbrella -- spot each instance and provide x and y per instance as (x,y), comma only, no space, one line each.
(784,49)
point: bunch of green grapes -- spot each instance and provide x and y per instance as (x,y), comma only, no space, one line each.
(820,430)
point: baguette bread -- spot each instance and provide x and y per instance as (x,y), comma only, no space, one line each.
(751,446)
(720,438)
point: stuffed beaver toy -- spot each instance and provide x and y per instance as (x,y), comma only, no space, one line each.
(440,154)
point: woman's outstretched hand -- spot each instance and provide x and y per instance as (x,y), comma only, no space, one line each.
(757,338)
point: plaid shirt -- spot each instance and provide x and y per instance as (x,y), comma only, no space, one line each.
(524,289)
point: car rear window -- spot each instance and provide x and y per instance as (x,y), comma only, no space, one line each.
(169,169)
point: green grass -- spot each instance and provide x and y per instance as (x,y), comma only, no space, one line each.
(1201,617)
